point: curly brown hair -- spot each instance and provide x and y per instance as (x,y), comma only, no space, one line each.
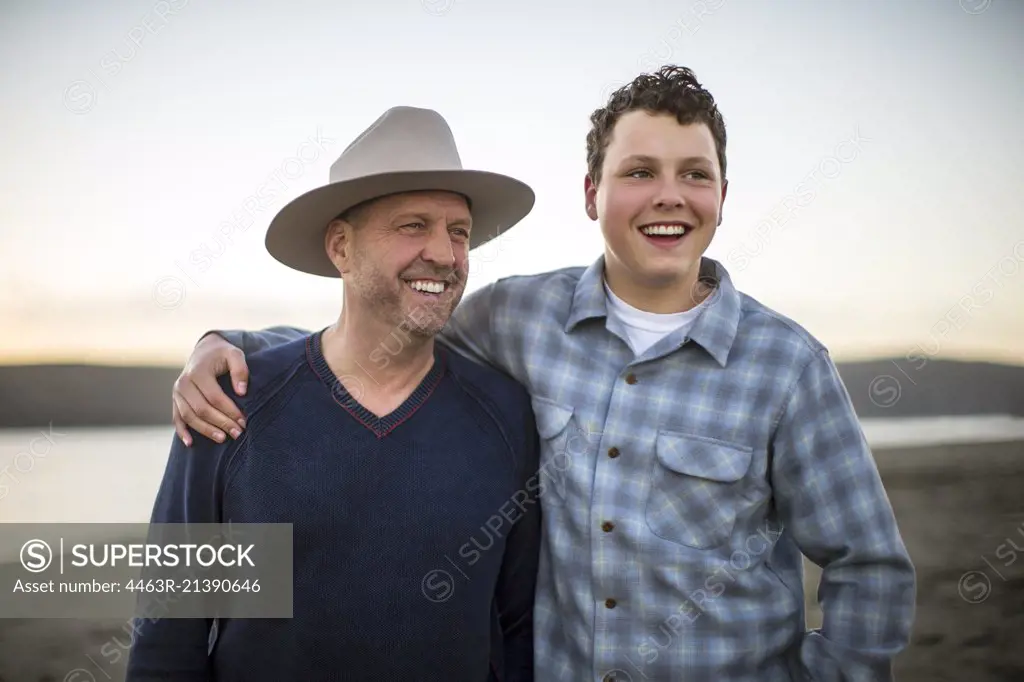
(671,90)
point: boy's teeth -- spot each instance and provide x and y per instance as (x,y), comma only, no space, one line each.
(666,230)
(428,286)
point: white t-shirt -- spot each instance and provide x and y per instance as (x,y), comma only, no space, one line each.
(644,329)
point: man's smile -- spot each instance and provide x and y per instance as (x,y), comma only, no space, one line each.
(428,287)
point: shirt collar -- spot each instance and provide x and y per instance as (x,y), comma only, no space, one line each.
(714,330)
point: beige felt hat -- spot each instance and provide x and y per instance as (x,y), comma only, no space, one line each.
(406,149)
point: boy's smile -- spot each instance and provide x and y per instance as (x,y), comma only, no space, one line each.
(666,234)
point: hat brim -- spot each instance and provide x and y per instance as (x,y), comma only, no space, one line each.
(296,234)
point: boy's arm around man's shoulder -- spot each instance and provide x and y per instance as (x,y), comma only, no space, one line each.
(831,499)
(254,341)
(469,329)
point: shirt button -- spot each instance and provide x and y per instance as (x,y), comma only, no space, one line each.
(609,603)
(630,378)
(613,452)
(607,526)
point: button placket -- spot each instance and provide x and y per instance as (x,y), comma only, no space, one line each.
(610,539)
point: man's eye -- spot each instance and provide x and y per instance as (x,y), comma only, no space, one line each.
(416,225)
(462,232)
(639,172)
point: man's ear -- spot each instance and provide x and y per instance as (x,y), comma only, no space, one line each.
(338,242)
(590,197)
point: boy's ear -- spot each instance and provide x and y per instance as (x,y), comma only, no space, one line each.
(721,206)
(590,197)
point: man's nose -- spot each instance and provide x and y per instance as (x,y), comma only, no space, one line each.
(438,249)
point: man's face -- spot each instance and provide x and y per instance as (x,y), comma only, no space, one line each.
(405,258)
(659,200)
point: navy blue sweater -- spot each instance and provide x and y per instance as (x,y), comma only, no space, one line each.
(376,504)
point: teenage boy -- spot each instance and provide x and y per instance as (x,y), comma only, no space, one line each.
(702,441)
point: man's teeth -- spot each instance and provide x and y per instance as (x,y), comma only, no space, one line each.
(428,286)
(664,230)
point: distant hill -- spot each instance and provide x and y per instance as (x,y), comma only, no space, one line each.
(935,388)
(85,395)
(88,395)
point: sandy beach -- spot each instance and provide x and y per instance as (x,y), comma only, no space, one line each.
(959,507)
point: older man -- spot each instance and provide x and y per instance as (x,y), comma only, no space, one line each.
(385,480)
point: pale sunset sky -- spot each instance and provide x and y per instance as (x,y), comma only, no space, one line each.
(875,155)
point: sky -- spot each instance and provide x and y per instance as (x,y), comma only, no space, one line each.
(873,155)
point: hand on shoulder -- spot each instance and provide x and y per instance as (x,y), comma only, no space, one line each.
(198,400)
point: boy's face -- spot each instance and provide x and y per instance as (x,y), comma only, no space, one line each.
(659,201)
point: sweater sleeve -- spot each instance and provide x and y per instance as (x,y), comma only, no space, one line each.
(252,342)
(518,576)
(190,492)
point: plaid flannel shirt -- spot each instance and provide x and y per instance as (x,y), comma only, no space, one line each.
(683,485)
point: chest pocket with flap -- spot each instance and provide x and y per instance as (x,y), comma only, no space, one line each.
(563,445)
(696,489)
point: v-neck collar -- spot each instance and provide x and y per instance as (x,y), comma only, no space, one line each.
(380,426)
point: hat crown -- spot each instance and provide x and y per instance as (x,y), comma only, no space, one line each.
(402,139)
